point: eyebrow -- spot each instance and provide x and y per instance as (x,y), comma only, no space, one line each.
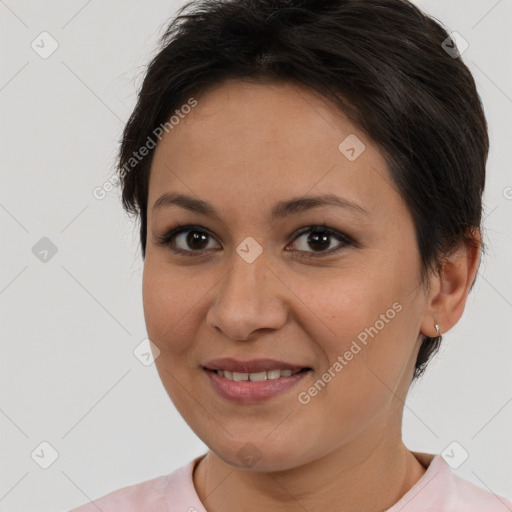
(280,210)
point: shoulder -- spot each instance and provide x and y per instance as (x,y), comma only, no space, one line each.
(473,498)
(440,489)
(157,494)
(130,498)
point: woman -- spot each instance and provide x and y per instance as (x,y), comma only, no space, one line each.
(308,176)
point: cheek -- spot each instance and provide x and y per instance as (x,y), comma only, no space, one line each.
(169,304)
(343,306)
(170,311)
(362,318)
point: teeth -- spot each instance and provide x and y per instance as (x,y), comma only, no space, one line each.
(273,374)
(256,376)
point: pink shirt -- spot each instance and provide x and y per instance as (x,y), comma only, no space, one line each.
(438,490)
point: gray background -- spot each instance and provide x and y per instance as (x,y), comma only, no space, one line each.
(69,325)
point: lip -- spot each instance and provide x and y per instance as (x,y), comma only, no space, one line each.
(250,366)
(247,392)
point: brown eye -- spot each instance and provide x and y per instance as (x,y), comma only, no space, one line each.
(320,240)
(193,240)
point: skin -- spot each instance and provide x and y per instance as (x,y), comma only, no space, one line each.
(244,147)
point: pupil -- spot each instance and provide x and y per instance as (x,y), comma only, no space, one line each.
(319,241)
(195,237)
(317,236)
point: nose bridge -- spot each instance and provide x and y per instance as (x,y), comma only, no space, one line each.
(246,298)
(246,282)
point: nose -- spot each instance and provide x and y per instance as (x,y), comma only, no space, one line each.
(249,298)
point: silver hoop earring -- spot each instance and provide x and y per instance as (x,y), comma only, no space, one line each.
(437,330)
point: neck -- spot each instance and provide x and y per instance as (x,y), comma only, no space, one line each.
(371,477)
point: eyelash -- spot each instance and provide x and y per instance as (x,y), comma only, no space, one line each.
(166,240)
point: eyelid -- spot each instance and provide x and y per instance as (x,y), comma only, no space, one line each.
(344,239)
(166,239)
(325,229)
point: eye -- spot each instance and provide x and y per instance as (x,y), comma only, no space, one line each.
(191,236)
(194,240)
(320,238)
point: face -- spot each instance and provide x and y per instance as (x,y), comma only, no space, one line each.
(330,287)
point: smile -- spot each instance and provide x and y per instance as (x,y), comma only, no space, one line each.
(256,376)
(253,387)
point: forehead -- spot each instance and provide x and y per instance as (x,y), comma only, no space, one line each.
(245,144)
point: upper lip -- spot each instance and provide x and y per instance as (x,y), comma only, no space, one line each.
(250,366)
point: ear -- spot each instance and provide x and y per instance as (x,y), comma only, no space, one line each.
(450,287)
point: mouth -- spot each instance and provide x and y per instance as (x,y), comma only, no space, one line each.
(253,370)
(247,382)
(257,376)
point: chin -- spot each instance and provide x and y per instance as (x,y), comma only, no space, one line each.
(259,455)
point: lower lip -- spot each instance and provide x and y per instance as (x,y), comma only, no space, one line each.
(245,392)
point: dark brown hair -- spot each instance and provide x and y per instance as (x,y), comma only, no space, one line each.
(382,62)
